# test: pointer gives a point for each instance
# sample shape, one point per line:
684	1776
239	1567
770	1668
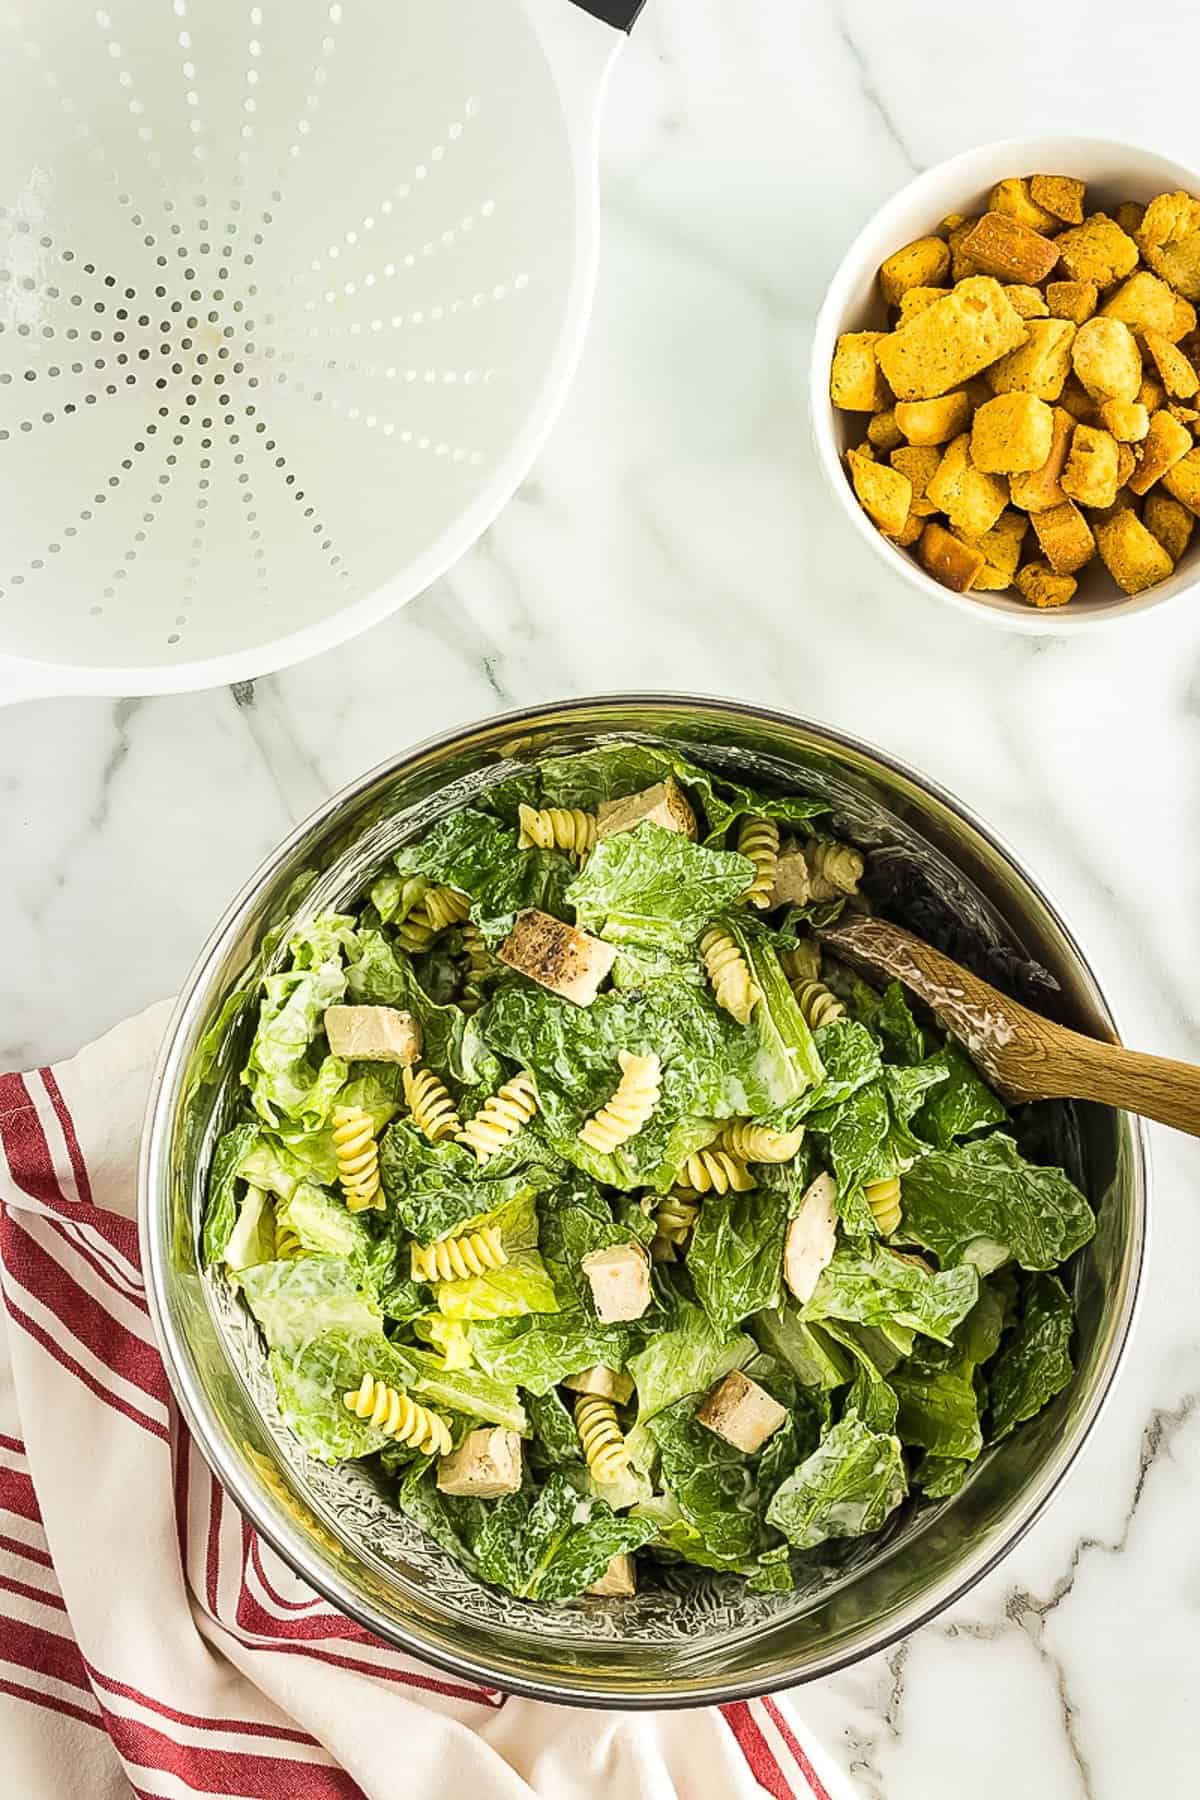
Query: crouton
560	957
1166	443
1014	198
620	1282
1065	537
884	494
1090	475
1182	481
909	532
855	381
1176	373
1001	550
1011	433
1042	587
811	1237
606	1383
1142	301
741	1412
1126	464
1132	555
1171	523
1098	250
961	266
1060	195
923	263
1169	239
971	499
486	1464
664	804
1040	487
1106	359
1030	302
917	299
919	464
1001	245
1040	365
948	559
1126	419
619	1580
1073	300
373	1034
1129	217
1187	415
1184	320
934	421
951	340
1078	402
883	433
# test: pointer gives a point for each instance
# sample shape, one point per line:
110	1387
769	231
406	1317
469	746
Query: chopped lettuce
852	1482
871	1285
656	889
982	1203
1035	1363
478	854
551	1543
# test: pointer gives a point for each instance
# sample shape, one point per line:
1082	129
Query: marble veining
675	533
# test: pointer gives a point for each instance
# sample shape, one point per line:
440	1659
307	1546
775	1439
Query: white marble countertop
675	533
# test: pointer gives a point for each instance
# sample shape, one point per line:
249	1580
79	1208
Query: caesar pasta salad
574	1187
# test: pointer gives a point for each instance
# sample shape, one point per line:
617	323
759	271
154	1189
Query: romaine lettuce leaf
962	1104
555	1440
221	1210
469	1391
478	854
655	888
938	1477
710	1481
939	1410
309	1297
870	1285
687	1359
1035	1362
983	1204
434	1189
285	1082
521	1286
536	1352
735	1253
451	1520
550	1543
381	974
808	1350
849	1485
252	1240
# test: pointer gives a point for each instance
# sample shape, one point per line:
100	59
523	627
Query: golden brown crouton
1042	587
1090	476
1098	250
1028	301
1132	555
1175	372
1107	360
856	384
1001	245
1040	488
1183	481
955	564
883	431
1074	300
1060	195
1038	366
961	265
951	340
923	263
1001	550
1184	320
1126	419
1065	537
917	299
1130	216
1078	402
1169	240
909	532
1171	523
1013	197
1187	415
884	494
920	465
933	421
1126	464
1166	443
1152	393
1011	433
971	499
1142	301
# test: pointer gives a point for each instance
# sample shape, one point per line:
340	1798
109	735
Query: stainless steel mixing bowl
694	1640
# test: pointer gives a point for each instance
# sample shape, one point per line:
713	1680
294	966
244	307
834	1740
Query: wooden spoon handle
1155	1086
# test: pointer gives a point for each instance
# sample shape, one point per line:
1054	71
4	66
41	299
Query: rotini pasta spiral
674	1217
479	968
713	1171
557	828
819	1004
801	964
432	1109
357	1155
415	933
444	906
839	865
453	1259
603	1442
758	839
633	1100
758	1143
391	1411
732	983
287	1241
501	1116
883	1198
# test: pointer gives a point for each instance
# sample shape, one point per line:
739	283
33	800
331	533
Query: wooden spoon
1026	1056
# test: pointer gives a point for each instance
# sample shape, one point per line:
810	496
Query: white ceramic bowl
1113	172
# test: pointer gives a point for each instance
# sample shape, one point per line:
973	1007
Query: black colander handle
621	13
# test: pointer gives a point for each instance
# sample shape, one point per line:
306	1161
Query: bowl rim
154	1237
1033	621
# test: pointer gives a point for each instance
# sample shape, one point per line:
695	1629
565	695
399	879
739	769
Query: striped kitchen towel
149	1639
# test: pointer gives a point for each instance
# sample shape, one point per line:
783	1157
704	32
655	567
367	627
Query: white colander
289	296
